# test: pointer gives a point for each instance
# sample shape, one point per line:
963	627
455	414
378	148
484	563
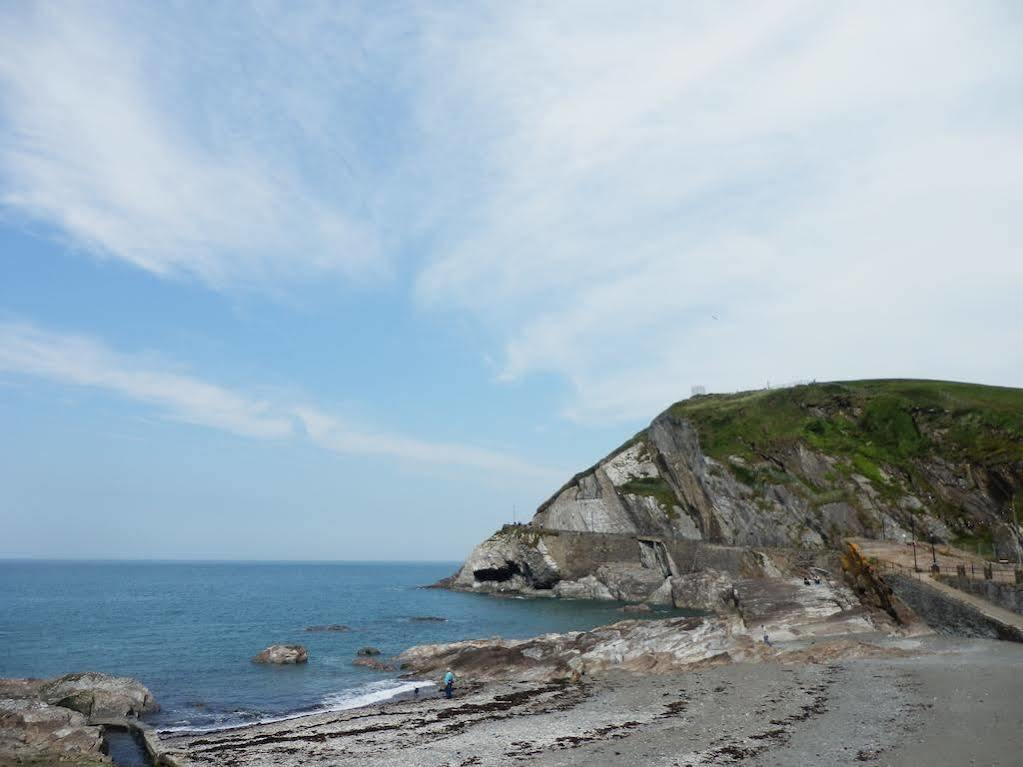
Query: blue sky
353	281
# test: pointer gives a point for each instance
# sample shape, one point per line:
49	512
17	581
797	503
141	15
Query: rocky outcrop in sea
283	654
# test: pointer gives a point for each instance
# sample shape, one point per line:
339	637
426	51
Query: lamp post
1015	534
916	569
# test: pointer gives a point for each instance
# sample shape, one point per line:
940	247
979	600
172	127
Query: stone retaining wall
580	554
1006	595
946	615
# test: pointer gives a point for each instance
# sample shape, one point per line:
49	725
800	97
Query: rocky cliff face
715	480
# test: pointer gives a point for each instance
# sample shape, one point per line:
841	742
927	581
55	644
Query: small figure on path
449	684
767	639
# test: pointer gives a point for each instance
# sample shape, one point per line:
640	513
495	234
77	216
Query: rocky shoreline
63	721
753	682
842	701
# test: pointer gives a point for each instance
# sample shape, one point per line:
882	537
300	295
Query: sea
188	630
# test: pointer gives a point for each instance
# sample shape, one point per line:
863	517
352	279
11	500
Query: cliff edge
769	483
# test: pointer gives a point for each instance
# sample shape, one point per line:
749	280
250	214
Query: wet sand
937	702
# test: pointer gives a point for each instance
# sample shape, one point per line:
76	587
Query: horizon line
172	560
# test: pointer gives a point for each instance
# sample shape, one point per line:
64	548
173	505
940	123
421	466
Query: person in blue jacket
449	684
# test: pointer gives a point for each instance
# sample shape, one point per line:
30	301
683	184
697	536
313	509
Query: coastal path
892	558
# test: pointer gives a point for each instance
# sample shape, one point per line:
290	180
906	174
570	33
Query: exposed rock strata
790	469
783	608
649	646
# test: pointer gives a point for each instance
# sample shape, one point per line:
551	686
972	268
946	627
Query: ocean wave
374	692
345	700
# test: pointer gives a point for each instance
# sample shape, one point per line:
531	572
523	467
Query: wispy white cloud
26	350
83	361
107	137
594	184
328	432
835	183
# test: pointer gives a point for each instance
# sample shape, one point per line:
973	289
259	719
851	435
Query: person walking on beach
449	684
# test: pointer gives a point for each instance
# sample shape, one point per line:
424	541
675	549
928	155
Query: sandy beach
927	701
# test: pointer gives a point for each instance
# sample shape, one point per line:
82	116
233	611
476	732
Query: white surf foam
366	695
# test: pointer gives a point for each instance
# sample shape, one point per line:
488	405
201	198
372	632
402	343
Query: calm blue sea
189	630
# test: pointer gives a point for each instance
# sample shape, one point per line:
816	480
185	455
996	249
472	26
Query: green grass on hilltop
871	423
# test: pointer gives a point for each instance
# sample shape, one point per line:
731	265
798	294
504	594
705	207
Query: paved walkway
948	557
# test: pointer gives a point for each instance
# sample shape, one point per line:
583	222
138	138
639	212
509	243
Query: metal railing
988	571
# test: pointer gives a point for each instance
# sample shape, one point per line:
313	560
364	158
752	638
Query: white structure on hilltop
698	390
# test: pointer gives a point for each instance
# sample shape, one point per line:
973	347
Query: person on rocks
449	684
767	639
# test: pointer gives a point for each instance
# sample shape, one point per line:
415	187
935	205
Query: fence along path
983	606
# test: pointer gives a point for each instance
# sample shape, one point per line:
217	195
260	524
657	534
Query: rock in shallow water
282	654
635	609
336	627
584	588
373	663
367	651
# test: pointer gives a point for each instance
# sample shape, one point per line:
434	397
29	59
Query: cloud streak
838	184
828	181
76	360
101	140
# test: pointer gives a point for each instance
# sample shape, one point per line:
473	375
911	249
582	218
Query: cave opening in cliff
503	573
